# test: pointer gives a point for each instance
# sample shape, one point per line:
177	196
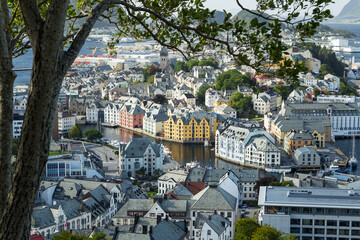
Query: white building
248	146
261	151
337	99
211	96
344	118
306	156
95	112
296	95
168	181
311	213
141	153
71	166
68	215
216	227
266	102
65	122
307	79
17	125
112	113
153	122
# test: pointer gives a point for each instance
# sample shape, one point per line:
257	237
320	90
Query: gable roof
214	198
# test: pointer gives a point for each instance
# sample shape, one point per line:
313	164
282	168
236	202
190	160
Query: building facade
311	213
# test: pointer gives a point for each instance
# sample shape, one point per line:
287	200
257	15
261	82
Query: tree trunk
7	78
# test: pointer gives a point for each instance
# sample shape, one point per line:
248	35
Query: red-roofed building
36	237
260	78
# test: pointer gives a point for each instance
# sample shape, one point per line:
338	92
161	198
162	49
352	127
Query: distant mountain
341	32
219	17
349	14
247	17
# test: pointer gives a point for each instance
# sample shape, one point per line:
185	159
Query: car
244	205
111	158
243	211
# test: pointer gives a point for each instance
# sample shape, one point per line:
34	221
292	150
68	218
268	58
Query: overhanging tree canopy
56	30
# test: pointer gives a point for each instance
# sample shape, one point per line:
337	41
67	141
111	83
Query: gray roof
139	205
42	218
174	205
168	230
132	236
91	184
262	143
218	223
196	175
214	175
309	197
304	150
214	198
299	135
310	123
72	208
181	190
137	146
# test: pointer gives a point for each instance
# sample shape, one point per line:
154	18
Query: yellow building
222	101
297	139
188	129
196	127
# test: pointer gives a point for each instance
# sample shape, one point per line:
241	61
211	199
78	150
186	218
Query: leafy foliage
242	104
283	90
245	228
187	66
200	95
229	80
160	99
75	132
92	134
265	181
346	89
249	229
327	57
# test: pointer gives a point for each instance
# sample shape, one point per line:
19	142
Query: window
331	231
331	222
294	230
307	230
295	221
355	224
319	222
344	223
307	222
319	231
209	232
343	231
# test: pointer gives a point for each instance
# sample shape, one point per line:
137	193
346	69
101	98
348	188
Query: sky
231	6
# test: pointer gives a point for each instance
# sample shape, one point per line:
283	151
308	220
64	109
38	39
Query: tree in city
283	90
141	171
200	95
249	229
265	181
92	134
231	79
242	104
56	31
245	228
181	65
75	132
160	99
316	92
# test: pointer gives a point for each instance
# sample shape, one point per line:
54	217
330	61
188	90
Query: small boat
192	164
353	162
336	168
167	151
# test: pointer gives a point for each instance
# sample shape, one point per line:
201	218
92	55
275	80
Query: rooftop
309	197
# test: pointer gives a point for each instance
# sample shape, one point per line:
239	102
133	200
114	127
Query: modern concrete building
311	213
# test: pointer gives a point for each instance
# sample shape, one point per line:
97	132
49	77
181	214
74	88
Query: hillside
341	32
349	14
247	17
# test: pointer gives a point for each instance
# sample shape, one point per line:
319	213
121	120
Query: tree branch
32	18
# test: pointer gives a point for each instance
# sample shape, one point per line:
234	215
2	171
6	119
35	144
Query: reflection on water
182	153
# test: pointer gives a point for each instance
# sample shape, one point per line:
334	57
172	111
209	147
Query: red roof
36	237
194	187
260	76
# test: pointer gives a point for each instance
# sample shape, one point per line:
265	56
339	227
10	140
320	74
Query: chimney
145	229
158	219
210	217
167	217
151	230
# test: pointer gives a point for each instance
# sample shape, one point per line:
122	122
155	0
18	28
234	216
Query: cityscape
199	131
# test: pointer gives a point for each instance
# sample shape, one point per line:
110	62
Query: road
109	158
